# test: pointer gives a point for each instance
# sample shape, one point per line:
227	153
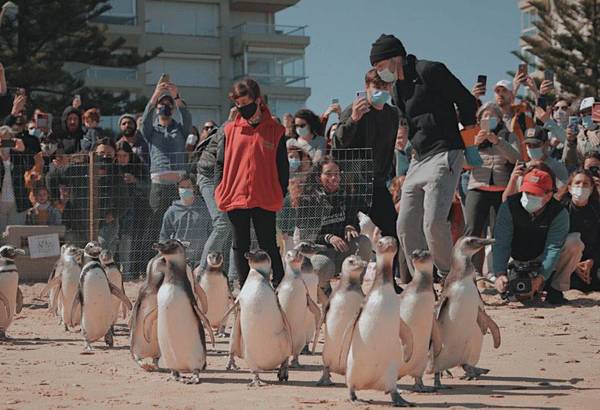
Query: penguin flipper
121	295
51	283
407	339
236	342
204	321
19	306
148	323
314	309
442	306
436	338
485	322
6	303
57	294
323	318
322	297
347	339
77	301
286	326
228	312
201	295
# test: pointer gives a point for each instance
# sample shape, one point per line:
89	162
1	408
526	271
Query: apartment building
207	45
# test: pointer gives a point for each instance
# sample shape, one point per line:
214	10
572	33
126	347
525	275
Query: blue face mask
493	122
186	193
535	153
402	163
379	97
303	131
531	203
587	122
294	164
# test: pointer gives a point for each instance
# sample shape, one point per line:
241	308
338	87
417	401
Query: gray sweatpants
425	203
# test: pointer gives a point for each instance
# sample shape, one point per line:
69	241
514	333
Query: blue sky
470	36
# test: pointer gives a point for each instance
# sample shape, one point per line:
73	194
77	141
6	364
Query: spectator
5	99
330	136
308	128
425	93
588	138
288	123
253	141
130	134
336	108
372	123
187	219
402	150
499	150
583	204
42	212
92	131
166	141
72	128
64	205
532	225
207	128
591	163
537	147
12	198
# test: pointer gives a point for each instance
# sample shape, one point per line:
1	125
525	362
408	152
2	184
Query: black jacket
426	97
205	154
70	141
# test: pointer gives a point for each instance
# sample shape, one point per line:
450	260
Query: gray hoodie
188	223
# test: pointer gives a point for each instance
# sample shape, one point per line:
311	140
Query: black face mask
248	110
129	131
165	111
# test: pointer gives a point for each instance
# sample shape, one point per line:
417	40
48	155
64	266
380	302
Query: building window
191	19
528	17
123	12
281	105
107	73
192	72
532	60
202	114
271	69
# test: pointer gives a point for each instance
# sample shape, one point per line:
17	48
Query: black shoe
555	297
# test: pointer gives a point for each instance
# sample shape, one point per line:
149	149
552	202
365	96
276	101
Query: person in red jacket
251	174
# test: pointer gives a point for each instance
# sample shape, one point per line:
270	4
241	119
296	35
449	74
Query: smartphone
542	103
484	124
520	163
21	91
482	79
361	94
523	69
596	113
335	100
549	75
9	143
164	78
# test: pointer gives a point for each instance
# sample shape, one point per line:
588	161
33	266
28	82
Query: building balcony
276	80
268	35
271	6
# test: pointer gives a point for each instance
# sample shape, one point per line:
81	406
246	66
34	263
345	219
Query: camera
520	275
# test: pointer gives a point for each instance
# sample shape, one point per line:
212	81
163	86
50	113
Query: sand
549	359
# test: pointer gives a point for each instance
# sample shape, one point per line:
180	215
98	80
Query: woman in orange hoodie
252	173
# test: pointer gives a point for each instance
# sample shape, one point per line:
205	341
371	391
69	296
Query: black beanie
386	46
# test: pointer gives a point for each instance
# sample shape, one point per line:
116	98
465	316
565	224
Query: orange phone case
468	136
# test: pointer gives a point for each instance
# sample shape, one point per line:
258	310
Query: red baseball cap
537	182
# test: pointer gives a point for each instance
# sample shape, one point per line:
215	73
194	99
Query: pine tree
568	42
44	35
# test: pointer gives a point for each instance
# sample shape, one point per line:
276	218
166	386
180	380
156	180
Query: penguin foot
437	383
352	394
195	379
419	387
66	327
88	349
231	364
306	350
256	381
398	401
175	376
473	373
3	335
108	338
325	379
450	375
295	364
221	332
147	366
282	373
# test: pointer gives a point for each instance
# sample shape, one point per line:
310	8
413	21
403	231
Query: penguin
368	228
72	262
417	303
144	344
296	303
214	283
311	280
95	300
11	298
380	341
53	291
180	323
261	334
460	315
174	250
116	278
340	312
321	265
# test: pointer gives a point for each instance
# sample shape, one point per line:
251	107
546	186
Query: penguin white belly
217	292
343	308
375	354
264	336
140	347
9	281
312	284
178	331
416	309
114	276
292	298
69	287
456	323
96	317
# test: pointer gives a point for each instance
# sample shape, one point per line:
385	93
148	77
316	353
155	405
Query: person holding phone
371	122
588	137
13	195
425	93
309	128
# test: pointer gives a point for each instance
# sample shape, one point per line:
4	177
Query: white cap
504	83
586	103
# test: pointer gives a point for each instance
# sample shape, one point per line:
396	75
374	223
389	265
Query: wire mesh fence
115	201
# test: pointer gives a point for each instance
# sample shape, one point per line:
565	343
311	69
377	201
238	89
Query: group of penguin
371	334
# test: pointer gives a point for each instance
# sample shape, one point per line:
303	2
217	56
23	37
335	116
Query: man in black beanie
425	93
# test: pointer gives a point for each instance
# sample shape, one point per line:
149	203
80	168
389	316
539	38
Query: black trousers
160	199
264	226
383	213
477	215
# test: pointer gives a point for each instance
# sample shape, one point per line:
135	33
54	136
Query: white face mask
580	193
387	75
531	203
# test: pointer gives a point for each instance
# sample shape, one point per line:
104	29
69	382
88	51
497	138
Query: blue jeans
221	236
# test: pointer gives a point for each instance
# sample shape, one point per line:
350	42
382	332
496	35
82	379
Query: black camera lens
595	171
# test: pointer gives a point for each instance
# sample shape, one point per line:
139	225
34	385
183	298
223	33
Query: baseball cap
537	182
535	135
503	83
586	103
